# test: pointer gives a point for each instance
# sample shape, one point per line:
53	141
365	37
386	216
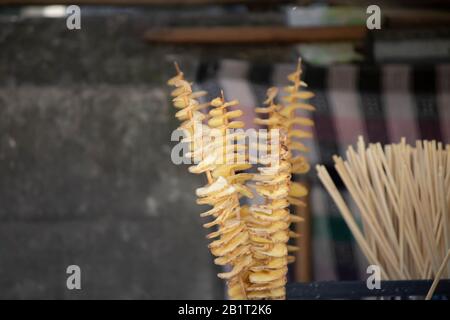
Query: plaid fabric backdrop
382	103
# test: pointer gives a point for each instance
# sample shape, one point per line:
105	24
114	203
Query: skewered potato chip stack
284	116
219	158
269	223
252	242
232	246
269	226
295	125
184	99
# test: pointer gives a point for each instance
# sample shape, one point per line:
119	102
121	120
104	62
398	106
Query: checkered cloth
382	103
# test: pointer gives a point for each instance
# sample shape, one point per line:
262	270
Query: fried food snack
252	242
219	157
269	223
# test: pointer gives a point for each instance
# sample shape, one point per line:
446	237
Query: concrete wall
85	170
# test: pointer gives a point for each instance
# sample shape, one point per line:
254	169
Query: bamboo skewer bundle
403	196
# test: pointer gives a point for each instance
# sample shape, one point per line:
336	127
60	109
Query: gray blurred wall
85	170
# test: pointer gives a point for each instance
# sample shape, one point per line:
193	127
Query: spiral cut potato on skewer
185	100
232	246
251	241
294	124
269	223
219	158
268	226
284	116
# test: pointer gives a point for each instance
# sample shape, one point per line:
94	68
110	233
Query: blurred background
85	124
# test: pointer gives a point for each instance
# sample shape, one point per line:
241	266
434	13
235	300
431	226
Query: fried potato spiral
269	224
251	242
219	157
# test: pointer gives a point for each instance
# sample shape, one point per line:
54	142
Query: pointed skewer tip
177	67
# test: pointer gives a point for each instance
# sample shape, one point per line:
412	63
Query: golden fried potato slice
217	197
228	226
291	107
273	179
278	250
271	193
178	77
275	263
242	263
281	282
260	209
296	202
239	178
232	256
276	215
266	109
267	276
232	245
226	169
219	103
302	134
224	216
220	184
227	237
303	121
297	190
219	206
279	204
181	102
236	291
271	121
272	228
280	236
294	235
298	159
295	219
283	167
298	146
219	118
259	239
271	94
207	164
296	96
300	168
276	293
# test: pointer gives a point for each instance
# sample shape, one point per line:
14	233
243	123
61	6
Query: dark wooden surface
260	34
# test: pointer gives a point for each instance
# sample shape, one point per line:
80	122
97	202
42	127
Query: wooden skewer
403	196
332	189
369	215
438	276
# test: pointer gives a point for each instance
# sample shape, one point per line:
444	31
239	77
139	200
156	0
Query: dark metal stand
358	289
